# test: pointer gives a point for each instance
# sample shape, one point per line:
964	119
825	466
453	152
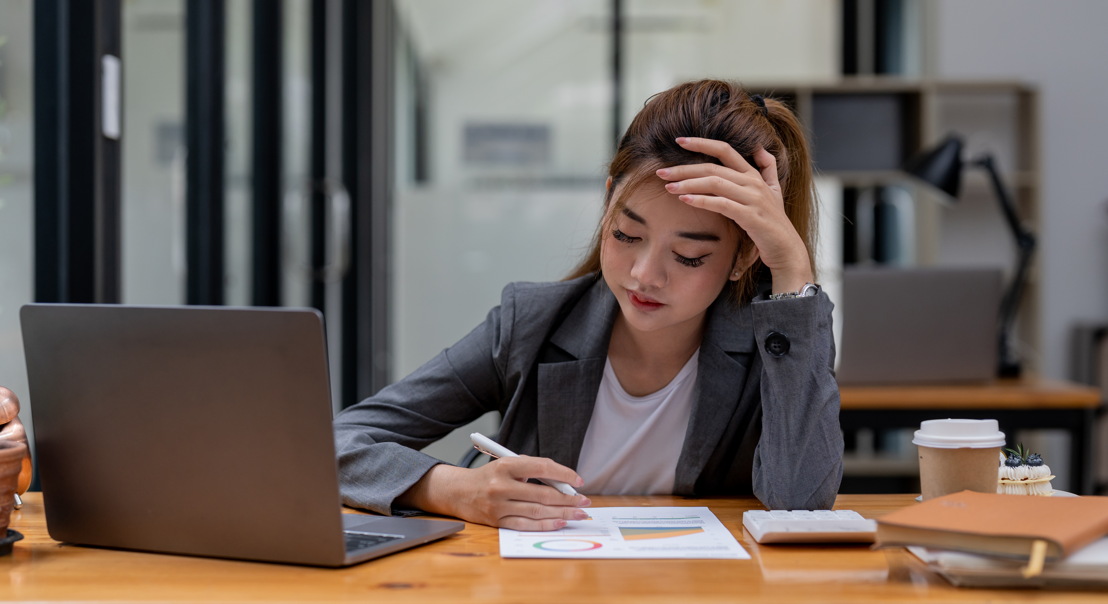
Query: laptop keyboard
357	541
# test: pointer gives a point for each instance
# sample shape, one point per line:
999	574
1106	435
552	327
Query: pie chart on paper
567	545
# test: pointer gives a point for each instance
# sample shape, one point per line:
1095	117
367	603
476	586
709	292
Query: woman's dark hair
721	111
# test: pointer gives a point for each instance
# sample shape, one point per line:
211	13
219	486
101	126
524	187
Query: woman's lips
642	302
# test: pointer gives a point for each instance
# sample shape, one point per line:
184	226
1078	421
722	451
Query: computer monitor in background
919	325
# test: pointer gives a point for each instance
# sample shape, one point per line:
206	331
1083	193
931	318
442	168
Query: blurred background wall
1056	47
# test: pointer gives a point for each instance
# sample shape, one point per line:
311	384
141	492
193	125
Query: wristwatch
809	289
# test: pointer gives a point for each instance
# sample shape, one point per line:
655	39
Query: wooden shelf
1025	393
971	179
928	111
880	465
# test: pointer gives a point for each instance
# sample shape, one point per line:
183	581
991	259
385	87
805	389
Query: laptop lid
919	325
198	430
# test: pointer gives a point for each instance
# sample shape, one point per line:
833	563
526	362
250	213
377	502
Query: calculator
809	526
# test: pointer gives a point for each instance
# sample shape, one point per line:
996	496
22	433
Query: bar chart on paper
629	533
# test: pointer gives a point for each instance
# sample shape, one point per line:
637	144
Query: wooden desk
1022	404
467	568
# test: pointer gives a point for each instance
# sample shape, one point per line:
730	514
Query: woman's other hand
752	198
498	494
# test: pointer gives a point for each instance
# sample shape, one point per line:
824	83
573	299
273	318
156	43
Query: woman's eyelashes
624	237
690	262
693	262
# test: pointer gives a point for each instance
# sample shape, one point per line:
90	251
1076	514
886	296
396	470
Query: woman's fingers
537	511
686	171
717	149
767	165
720	205
530	516
715	185
714	179
516	471
543	494
524	468
518	523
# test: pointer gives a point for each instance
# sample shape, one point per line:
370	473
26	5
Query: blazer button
777	344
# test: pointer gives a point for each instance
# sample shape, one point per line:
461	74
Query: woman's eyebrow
633	216
699	236
695	236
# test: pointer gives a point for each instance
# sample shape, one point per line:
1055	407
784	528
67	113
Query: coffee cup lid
959	434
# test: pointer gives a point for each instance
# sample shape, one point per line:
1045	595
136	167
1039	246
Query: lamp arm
1025	244
1024	238
1009	306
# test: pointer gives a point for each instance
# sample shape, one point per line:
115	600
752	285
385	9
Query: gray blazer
764	422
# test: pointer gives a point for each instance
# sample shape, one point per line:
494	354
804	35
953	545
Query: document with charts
642	532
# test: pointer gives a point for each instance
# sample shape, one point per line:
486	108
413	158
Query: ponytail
798	186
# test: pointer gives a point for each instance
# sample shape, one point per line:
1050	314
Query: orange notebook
998	525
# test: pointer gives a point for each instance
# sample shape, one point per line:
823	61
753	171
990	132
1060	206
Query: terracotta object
11	429
12	454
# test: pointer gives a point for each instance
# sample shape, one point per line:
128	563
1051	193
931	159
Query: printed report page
641	532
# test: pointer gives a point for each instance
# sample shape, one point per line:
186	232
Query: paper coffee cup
957	455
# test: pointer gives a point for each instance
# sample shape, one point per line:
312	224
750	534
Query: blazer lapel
570	378
720	380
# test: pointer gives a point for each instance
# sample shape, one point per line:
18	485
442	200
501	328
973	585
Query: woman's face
666	261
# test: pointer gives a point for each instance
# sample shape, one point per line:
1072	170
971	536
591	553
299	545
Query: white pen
486	445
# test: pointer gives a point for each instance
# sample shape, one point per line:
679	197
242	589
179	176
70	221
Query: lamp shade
940	166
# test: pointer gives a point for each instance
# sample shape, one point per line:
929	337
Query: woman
690	352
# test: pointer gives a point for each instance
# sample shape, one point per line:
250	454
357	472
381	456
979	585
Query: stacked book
989	540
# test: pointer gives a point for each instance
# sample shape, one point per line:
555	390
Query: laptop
203	431
921	325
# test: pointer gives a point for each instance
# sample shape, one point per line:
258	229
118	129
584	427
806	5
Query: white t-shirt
633	442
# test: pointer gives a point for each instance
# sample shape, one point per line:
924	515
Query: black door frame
367	170
267	146
77	165
204	135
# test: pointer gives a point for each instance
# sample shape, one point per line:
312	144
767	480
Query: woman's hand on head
751	196
498	494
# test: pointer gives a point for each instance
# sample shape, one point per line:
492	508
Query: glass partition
16	194
296	130
238	121
153	203
503	130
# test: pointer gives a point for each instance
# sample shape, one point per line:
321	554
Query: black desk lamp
941	167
